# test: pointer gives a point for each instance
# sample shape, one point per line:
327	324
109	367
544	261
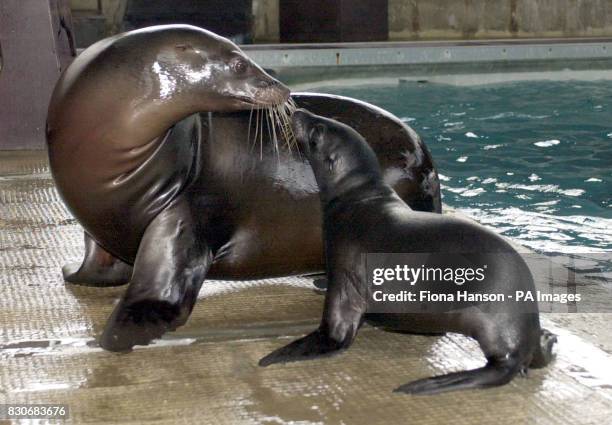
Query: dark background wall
96	19
323	21
232	19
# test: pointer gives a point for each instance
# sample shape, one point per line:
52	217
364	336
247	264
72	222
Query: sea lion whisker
278	120
285	109
271	133
273	126
249	126
268	126
273	120
291	107
290	139
291	103
278	131
256	131
282	124
287	127
261	137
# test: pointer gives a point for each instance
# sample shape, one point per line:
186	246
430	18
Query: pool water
532	159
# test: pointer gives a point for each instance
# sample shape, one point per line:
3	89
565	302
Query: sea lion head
210	70
340	157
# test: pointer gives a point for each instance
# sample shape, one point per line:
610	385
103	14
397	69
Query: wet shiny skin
279	208
268	205
362	214
111	110
176	192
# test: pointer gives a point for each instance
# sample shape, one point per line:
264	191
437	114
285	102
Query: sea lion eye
240	66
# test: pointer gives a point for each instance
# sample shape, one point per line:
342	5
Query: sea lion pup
361	214
165	144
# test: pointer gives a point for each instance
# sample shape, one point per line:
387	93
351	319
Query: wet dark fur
362	214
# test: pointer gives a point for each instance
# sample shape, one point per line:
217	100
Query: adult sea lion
169	195
362	214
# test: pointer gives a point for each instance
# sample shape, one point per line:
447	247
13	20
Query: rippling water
532	159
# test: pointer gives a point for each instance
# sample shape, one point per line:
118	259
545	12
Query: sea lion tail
495	373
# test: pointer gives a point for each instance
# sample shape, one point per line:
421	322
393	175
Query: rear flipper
495	373
99	268
544	352
499	370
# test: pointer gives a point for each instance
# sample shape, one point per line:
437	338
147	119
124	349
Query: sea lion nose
300	114
283	90
271	89
300	117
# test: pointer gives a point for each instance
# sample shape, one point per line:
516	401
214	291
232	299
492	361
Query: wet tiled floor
207	373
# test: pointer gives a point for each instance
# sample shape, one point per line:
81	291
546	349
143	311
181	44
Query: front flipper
169	270
99	268
311	346
342	317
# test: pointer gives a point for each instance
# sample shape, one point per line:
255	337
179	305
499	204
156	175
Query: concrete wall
468	19
443	19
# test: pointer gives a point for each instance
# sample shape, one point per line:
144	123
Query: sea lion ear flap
316	136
